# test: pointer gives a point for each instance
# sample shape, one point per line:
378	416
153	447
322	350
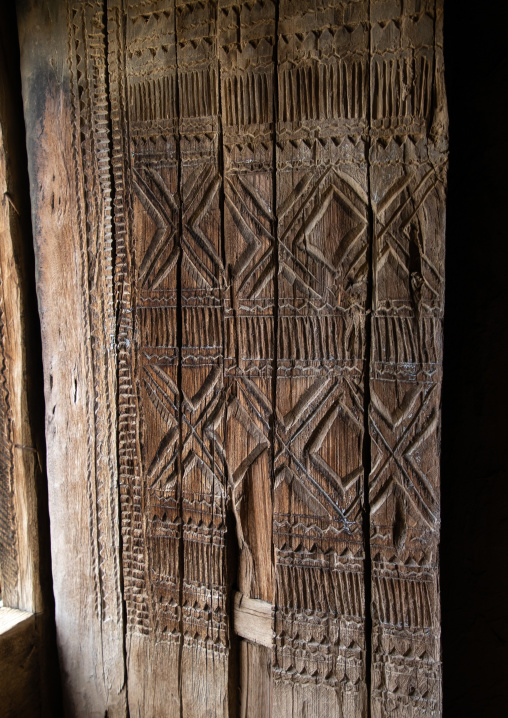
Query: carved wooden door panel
239	223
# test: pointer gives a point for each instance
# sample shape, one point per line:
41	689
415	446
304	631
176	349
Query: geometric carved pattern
399	462
278	179
406	357
301	434
322	243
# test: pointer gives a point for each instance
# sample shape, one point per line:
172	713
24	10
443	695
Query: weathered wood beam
407	181
323	243
25	567
70	189
246	42
253	619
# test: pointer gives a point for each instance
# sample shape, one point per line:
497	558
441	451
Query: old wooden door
239	220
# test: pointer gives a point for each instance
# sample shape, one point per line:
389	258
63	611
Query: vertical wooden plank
204	670
246	34
63	63
144	111
21	424
323	237
25	559
407	185
170	269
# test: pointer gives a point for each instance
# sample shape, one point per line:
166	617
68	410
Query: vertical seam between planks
229	562
367	448
179	334
438	5
275	117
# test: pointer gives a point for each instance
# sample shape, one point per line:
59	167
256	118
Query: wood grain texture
246	34
407	173
253	256
204	597
25	569
322	214
71	214
143	84
21	466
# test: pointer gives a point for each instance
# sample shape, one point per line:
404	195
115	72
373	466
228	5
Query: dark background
474	565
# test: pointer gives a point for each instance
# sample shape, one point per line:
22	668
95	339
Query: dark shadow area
474	576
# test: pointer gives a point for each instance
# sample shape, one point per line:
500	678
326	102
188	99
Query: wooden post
28	670
63	68
323	261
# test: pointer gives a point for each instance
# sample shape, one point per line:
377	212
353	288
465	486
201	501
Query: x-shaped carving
397	448
316	410
258	406
163	394
402	217
197	204
255	234
200	417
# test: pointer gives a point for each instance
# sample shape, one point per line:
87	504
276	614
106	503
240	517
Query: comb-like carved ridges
91	127
407	178
249	199
205	622
322	211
